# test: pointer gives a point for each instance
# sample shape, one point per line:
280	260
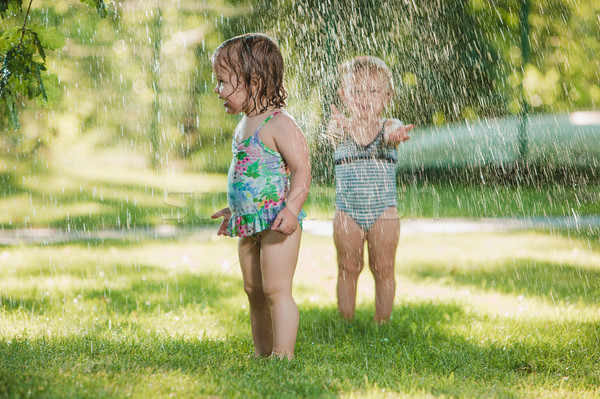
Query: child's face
365	93
228	89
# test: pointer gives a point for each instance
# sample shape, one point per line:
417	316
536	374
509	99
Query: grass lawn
115	190
84	185
477	315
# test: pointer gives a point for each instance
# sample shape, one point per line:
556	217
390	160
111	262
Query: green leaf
39	88
10	38
50	38
104	7
38	45
52	87
12	112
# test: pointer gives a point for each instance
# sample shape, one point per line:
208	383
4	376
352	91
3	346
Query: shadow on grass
169	294
590	235
9	186
417	352
145	289
120	209
549	281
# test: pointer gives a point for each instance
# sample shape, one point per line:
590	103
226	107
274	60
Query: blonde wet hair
255	55
367	63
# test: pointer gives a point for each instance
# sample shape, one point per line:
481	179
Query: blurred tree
154	83
444	66
23	47
561	73
452	60
23	53
206	129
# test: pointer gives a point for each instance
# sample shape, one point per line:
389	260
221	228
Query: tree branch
24	25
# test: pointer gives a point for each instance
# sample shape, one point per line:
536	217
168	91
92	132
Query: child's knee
253	292
382	272
276	293
351	269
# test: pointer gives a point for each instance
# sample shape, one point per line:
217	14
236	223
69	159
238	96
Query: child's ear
254	82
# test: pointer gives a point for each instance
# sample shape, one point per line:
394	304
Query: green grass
478	200
87	192
477	315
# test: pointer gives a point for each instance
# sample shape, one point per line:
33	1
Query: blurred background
108	119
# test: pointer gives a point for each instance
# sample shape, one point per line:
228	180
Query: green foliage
440	58
8	7
22	76
561	71
452	60
443	65
105	8
23	48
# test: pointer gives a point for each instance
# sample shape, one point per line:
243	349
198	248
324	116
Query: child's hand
337	124
396	133
224	213
285	222
339	118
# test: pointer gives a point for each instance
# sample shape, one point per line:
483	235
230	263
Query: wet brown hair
255	56
367	63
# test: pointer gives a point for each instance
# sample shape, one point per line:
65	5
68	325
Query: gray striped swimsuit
365	179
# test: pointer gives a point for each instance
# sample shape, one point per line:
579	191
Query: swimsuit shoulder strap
266	120
377	140
382	131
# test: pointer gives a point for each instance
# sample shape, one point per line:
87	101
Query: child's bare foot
277	355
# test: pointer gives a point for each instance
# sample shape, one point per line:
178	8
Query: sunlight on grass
491	314
143	284
16	209
530	274
96	197
89	164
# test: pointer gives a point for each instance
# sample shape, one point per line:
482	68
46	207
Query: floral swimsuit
257	186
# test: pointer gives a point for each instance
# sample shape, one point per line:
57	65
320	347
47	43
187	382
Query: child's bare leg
349	241
382	241
279	255
260	315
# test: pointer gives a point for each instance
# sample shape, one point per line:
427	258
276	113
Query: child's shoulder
281	123
392	123
282	133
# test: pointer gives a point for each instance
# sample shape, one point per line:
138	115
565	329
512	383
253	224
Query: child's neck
369	121
257	113
364	130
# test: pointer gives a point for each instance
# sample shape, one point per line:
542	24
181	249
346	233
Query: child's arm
291	144
224	213
395	132
336	126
